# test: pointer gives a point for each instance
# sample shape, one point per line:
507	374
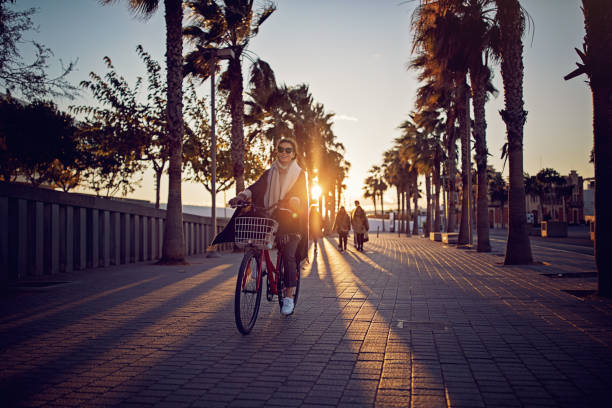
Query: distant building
564	203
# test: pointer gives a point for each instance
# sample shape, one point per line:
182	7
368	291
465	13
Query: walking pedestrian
316	223
359	220
342	226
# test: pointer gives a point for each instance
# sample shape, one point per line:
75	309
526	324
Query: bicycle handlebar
242	204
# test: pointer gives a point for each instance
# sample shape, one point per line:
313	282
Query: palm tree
369	191
480	36
393	176
416	149
596	56
173	250
438	37
221	24
511	20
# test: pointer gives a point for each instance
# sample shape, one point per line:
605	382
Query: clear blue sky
353	55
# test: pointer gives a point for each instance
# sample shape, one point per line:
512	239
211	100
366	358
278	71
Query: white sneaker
287	308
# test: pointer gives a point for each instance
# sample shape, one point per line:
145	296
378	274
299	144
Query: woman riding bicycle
282	187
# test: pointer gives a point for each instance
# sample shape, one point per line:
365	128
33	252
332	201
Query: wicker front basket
255	231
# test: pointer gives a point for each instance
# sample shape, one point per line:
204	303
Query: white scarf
275	191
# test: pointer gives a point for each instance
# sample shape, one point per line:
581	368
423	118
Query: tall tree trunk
464	128
445	203
173	250
518	248
602	135
405	196
598	39
374	201
436	201
415	200
451	146
399	206
478	78
407	217
382	210
237	112
428	207
158	176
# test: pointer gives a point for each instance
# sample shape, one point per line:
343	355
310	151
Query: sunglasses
285	149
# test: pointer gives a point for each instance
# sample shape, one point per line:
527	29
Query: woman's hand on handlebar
237	201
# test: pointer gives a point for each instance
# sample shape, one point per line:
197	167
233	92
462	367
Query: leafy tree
141	126
39	140
112	162
28	79
596	60
173	250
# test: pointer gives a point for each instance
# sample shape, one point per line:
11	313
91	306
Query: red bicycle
258	235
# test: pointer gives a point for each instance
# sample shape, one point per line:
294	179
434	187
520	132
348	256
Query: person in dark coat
316	224
342	226
359	220
283	185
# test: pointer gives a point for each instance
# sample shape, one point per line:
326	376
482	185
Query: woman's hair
289	140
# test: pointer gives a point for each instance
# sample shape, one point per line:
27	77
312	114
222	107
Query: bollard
377	231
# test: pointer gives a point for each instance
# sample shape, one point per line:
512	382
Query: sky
353	54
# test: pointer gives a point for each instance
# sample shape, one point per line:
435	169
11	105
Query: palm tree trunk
480	126
415	214
602	136
597	18
399	216
518	248
374	201
436	182
462	109
237	112
407	218
173	249
451	169
382	210
428	207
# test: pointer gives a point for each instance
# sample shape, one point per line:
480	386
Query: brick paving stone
409	323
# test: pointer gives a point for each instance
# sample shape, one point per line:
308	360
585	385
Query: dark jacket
342	223
288	224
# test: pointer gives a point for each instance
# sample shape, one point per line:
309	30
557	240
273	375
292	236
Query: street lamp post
223	53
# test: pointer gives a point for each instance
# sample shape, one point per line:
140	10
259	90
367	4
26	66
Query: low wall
43	232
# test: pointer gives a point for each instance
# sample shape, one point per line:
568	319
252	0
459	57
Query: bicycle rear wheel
248	292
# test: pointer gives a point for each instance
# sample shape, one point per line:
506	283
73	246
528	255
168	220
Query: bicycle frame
271	268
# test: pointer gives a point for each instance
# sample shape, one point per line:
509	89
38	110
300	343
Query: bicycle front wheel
248	292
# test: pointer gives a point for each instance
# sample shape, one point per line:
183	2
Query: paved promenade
409	323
